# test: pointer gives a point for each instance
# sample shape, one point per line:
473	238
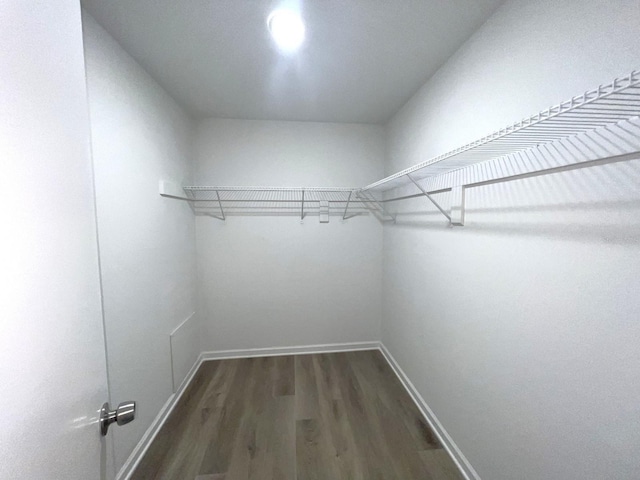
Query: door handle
125	413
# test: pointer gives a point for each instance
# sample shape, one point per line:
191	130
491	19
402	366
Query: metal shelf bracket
426	194
346	208
220	205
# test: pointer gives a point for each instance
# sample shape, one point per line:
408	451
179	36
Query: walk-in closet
320	239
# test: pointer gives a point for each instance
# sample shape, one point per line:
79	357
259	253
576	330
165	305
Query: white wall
147	243
52	365
267	282
520	329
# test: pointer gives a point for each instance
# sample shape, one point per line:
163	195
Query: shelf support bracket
457	206
302	207
426	194
344	216
224	218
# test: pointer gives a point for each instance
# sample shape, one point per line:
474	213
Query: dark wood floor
331	416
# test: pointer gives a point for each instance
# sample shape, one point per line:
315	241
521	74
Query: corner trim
151	433
445	439
297	350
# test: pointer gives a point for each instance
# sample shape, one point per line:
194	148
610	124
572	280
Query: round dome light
287	29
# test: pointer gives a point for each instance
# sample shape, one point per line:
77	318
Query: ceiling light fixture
287	29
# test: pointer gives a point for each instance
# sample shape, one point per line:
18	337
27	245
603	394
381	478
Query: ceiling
361	60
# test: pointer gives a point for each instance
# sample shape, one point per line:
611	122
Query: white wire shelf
602	107
221	201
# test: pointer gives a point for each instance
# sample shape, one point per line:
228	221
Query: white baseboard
447	442
148	437
300	350
445	439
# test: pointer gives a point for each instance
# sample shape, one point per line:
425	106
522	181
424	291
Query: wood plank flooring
307	417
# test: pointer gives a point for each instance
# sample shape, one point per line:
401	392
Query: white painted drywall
147	242
52	365
521	329
270	282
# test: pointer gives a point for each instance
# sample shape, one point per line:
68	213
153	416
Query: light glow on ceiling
287	29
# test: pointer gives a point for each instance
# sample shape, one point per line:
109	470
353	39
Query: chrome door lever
125	413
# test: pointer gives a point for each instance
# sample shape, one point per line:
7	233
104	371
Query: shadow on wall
598	203
615	235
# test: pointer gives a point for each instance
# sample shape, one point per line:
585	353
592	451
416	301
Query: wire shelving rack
221	201
601	108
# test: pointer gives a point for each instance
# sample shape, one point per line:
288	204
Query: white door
52	355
